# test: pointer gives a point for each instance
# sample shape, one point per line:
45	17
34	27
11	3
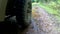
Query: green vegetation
51	6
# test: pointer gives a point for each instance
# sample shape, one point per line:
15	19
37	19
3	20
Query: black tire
22	11
27	14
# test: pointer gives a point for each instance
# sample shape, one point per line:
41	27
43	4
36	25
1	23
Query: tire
27	14
22	13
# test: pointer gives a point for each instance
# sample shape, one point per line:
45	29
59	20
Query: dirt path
42	22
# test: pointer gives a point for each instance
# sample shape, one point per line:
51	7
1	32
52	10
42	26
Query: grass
49	10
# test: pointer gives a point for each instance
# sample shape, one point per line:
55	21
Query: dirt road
42	22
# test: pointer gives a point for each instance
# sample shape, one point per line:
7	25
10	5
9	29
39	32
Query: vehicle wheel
27	14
